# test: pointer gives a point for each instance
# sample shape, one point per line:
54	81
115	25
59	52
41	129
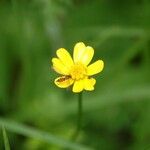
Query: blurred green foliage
6	141
116	114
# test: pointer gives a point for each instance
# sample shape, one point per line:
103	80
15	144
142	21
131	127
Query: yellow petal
87	55
59	67
65	57
64	81
78	86
82	53
95	68
78	51
89	84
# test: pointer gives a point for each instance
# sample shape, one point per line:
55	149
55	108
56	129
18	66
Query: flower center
78	71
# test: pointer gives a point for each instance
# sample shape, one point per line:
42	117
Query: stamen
78	71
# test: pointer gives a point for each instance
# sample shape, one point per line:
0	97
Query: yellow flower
76	71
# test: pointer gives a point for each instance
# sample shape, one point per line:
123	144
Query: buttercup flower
76	71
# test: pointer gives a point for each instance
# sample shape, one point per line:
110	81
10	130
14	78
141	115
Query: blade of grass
6	141
40	135
112	31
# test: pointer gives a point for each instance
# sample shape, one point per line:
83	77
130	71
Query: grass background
39	116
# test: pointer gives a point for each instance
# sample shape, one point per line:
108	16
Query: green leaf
41	135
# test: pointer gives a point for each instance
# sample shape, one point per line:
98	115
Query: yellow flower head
76	71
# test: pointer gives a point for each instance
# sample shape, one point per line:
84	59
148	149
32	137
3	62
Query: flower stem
79	123
79	118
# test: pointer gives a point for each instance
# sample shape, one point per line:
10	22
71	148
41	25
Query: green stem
79	118
79	112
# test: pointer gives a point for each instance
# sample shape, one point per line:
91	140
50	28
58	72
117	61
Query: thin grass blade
6	141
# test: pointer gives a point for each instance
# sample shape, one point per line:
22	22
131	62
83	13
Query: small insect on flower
76	71
63	79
